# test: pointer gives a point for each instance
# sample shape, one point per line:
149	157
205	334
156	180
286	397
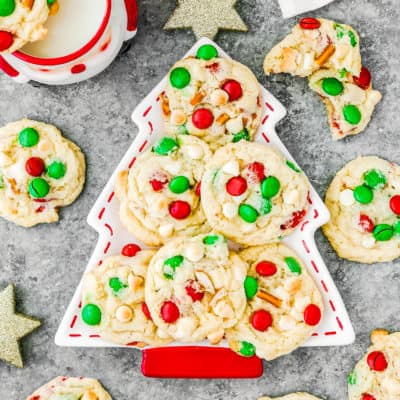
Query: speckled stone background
46	262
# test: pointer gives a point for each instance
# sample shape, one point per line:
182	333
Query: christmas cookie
284	305
292	396
216	99
65	388
194	288
252	194
350	100
160	195
314	44
21	21
113	300
364	202
40	171
376	376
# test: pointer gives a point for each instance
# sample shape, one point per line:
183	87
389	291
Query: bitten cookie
376	376
64	388
314	44
194	288
216	99
292	396
21	21
40	171
113	300
160	195
284	305
364	202
350	101
252	195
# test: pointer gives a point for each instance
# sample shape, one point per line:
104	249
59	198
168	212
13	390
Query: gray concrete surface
46	262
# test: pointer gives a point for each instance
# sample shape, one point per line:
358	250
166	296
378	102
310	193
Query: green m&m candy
250	287
383	232
242	135
7	7
396	228
38	188
363	194
374	178
332	86
179	77
56	170
248	213
352	114
28	137
91	314
171	264
210	240
352	378
353	38
207	52
293	265
247	349
270	187
266	206
165	146
292	166
51	2
116	284
179	184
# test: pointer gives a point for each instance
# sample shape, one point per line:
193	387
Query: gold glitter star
206	17
13	327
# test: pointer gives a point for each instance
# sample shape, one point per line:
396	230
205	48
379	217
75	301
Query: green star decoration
206	17
13	327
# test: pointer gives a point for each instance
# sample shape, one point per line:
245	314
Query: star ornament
206	17
13	327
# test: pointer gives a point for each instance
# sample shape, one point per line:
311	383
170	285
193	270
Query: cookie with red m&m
252	194
113	301
194	288
314	44
216	99
292	396
160	194
284	305
364	202
40	171
350	100
376	375
66	388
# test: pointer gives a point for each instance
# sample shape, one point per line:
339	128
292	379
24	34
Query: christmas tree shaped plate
201	360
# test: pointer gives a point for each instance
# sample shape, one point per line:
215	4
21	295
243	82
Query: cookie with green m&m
284	305
252	194
364	202
376	375
160	195
214	98
113	302
194	288
40	171
350	100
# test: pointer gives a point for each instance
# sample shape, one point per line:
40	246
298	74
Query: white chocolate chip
291	196
166	230
219	97
231	167
45	146
178	117
135	282
216	337
173	167
234	125
286	323
124	313
230	210
346	197
368	242
89	395
195	152
194	252
308	61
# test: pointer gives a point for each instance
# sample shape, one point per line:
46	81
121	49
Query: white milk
76	22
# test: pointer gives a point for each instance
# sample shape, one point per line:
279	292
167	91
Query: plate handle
132	14
11	71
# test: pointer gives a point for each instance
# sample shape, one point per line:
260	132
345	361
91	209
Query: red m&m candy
261	320
266	268
364	80
366	223
197	190
377	361
310	23
312	315
34	166
194	291
236	186
255	172
157	185
130	250
234	89
6	40
395	204
367	396
202	118
297	217
146	312
169	312
179	209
